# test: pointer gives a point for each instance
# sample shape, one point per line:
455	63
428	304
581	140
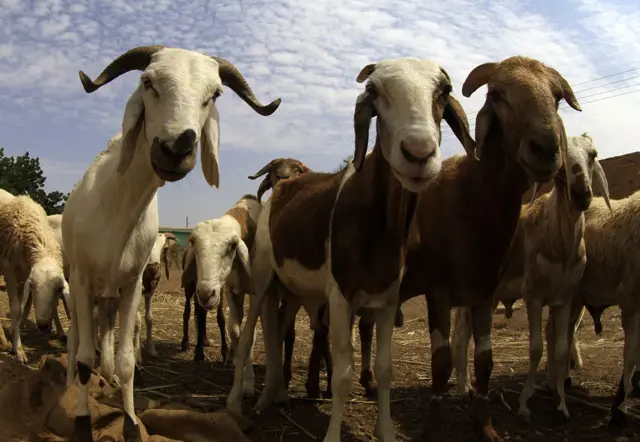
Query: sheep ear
210	144
456	118
265	185
132	123
243	255
484	120
533	195
567	92
478	77
361	121
600	182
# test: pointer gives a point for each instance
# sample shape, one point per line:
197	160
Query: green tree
22	175
345	162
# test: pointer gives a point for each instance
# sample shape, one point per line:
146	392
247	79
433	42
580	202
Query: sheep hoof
21	357
327	394
313	391
561	417
198	355
568	384
82	429
206	342
131	430
524	414
618	419
248	389
62	337
184	346
224	351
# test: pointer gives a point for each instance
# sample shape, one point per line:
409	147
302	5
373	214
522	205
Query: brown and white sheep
343	236
31	260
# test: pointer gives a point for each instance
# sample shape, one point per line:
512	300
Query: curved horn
265	185
231	77
134	59
266	168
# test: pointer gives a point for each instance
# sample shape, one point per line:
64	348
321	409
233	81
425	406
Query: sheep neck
565	225
129	194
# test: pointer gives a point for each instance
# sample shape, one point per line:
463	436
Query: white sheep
611	278
221	259
110	220
31	261
343	236
150	279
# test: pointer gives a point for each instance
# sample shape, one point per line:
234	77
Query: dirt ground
175	373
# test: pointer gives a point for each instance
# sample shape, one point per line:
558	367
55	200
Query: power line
446	135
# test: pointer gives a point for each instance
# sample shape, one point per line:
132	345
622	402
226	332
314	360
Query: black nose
581	199
185	142
545	150
44	327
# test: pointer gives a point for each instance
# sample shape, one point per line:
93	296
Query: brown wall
622	175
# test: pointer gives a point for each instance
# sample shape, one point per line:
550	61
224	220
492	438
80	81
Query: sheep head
584	172
277	170
522	107
165	250
174	107
409	97
216	245
45	284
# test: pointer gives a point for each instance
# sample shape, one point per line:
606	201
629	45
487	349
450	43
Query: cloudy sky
308	53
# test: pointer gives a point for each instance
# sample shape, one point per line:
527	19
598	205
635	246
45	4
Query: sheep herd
396	223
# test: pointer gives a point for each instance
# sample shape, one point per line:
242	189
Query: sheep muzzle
172	162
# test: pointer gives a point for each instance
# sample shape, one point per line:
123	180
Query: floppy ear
484	120
600	182
567	92
243	255
361	121
132	124
210	144
478	77
456	118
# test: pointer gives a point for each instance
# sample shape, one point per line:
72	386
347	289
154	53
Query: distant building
180	232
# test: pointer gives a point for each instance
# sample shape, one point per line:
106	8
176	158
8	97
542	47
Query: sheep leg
125	363
576	358
319	351
439	322
3	338
561	319
65	303
534	317
365	328
148	319
108	308
189	290
236	311
550	337
384	320
274	390
482	321
73	341
245	343
136	339
286	318
460	347
26	311
59	329
224	348
82	330
201	330
342	352
631	326
16	306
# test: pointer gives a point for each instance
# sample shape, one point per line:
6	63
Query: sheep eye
146	83
371	89
231	248
446	90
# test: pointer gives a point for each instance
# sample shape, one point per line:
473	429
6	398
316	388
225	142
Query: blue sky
308	53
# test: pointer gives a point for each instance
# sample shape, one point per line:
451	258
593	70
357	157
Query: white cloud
309	53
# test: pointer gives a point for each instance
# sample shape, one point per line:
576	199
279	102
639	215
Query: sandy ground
174	373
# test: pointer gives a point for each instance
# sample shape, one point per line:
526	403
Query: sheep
519	140
544	266
110	219
4	198
150	279
610	278
343	236
31	260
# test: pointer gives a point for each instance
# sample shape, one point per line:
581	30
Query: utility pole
187	222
